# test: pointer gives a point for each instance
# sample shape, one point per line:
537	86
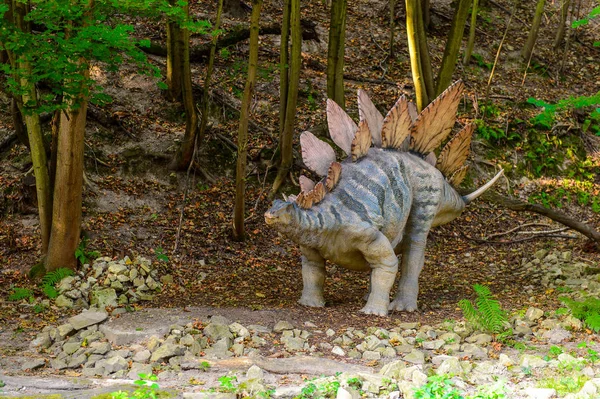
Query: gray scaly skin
384	204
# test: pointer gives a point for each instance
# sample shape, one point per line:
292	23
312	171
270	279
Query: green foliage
324	389
565	384
547	117
227	383
160	254
82	254
481	62
50	280
587	311
438	387
487	313
496	390
20	293
147	388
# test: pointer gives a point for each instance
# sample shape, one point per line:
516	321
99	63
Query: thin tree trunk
562	25
533	33
174	59
284	67
335	53
68	188
240	178
412	22
186	150
471	42
392	26
292	93
424	55
209	71
452	46
426	12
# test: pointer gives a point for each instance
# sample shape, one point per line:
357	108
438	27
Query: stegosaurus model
381	200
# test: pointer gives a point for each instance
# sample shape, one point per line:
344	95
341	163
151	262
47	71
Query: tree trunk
68	189
335	52
533	33
471	42
562	25
29	99
174	59
452	46
284	67
392	26
426	12
209	71
186	150
240	178
412	27
292	97
424	55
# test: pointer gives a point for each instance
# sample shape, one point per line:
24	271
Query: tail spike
471	197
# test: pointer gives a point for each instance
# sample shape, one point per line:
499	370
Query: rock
293	343
142	356
343	394
522	328
166	351
255	373
86	319
474	351
433	345
137	369
65	330
117	268
541	254
451	338
371	355
533	314
393	369
42	341
33	364
187	340
338	351
450	366
112	365
63	302
415	357
238	349
239	330
387	352
572	323
372	342
532	361
540	393
58	364
100	348
282	326
330	332
408	326
102	298
220	349
504	360
77	361
71	347
479	339
217	331
557	335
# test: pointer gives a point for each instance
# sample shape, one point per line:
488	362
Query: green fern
50	280
19	294
487	313
587	311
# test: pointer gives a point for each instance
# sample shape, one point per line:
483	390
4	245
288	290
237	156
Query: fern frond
20	294
469	312
50	291
55	276
492	315
593	322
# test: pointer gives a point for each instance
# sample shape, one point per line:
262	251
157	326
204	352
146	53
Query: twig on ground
484	241
516	228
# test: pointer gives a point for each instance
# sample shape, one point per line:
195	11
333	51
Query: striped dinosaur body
377	203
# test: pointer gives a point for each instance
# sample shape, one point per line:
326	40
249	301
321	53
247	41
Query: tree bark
412	26
240	178
183	157
392	26
209	71
68	188
562	25
284	66
335	52
424	55
533	33
174	59
452	46
472	28
293	78
426	13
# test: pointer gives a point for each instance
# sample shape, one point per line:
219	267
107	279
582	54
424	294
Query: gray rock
217	331
533	314
415	357
86	319
63	302
58	364
557	335
42	341
100	348
65	330
479	339
532	361
338	351
112	365
117	268
540	393
71	347
474	351
102	298
433	345
166	351
142	356
220	349
450	366
187	340
282	326
77	361
255	373
371	355
137	369
238	349
371	343
393	369
387	352
33	364
239	330
408	326
293	343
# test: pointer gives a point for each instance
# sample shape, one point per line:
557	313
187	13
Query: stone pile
109	283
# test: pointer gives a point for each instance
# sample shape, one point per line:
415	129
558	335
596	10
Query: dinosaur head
280	215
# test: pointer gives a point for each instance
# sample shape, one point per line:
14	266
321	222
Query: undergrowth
587	311
487	313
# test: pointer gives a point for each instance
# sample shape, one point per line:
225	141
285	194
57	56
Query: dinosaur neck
450	207
308	227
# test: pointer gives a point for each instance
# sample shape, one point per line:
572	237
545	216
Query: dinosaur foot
312	301
404	304
376	310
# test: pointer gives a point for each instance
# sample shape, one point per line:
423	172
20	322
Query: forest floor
133	204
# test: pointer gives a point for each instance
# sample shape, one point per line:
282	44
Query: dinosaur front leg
413	257
380	255
313	278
